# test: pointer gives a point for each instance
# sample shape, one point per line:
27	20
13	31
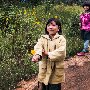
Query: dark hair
86	3
57	21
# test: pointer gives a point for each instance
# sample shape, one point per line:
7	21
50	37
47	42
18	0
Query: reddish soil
77	75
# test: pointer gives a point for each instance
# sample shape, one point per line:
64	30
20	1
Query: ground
77	75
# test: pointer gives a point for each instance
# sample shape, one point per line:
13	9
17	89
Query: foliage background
21	24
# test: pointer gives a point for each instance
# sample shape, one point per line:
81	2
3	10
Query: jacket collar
55	37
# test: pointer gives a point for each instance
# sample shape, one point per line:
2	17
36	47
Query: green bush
20	27
11	72
73	36
18	34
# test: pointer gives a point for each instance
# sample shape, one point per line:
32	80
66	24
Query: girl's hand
35	58
44	53
80	24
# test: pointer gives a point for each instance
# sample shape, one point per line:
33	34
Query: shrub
17	37
11	72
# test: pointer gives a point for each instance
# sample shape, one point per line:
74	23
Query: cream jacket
51	69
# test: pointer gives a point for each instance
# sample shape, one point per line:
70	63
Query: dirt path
77	75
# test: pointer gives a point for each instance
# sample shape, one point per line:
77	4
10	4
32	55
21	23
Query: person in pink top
85	27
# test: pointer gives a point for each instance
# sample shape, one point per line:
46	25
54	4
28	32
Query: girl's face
52	28
86	8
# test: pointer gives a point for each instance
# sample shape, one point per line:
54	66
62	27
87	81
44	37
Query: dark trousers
85	35
50	86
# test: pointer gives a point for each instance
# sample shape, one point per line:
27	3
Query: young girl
85	28
50	53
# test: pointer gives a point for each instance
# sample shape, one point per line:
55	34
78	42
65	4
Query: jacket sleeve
59	53
38	47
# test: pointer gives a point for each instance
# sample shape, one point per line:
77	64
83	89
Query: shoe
87	51
81	54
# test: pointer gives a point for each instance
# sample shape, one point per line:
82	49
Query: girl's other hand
35	58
